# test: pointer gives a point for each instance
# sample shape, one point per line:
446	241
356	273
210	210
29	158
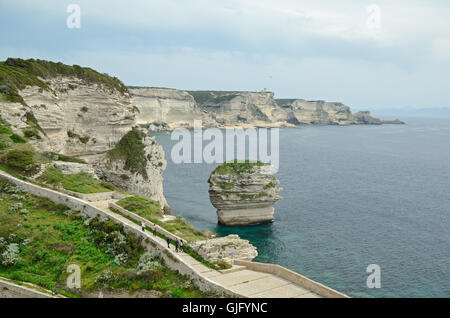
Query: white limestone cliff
86	120
244	193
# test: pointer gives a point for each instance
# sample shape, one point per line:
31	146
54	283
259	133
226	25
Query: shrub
257	113
120	259
84	139
5	130
31	132
148	262
58	156
124	177
22	161
32	121
226	185
11	255
71	134
105	278
15	207
131	149
107	185
17	139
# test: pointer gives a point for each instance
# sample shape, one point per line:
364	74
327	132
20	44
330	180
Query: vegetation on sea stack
237	167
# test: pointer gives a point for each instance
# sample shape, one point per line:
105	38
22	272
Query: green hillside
16	74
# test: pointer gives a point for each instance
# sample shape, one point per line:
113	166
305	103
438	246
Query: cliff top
217	97
237	167
16	74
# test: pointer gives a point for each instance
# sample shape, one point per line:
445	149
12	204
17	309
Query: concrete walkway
238	279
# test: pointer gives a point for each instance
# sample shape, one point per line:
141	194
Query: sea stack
244	192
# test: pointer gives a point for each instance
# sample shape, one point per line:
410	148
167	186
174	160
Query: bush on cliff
17	139
60	157
131	149
21	161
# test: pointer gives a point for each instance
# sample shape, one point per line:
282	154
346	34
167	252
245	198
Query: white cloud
441	48
287	21
359	84
400	64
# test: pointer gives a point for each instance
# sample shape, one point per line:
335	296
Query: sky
367	54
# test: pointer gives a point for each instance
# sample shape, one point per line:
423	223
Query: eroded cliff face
138	171
167	109
244	193
79	118
159	106
247	109
319	112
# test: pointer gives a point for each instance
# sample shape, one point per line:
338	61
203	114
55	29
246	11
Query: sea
353	196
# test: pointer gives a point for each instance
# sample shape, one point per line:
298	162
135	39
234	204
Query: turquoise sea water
353	196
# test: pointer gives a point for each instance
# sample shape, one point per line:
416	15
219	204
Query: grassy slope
151	211
58	239
215	97
81	182
18	158
16	74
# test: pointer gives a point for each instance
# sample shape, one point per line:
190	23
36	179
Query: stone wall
146	222
293	277
10	290
100	196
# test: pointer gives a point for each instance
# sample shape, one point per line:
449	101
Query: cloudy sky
367	54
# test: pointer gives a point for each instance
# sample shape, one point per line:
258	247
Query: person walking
168	243
143	227
154	229
177	244
181	246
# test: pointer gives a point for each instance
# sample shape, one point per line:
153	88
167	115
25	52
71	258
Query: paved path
238	279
